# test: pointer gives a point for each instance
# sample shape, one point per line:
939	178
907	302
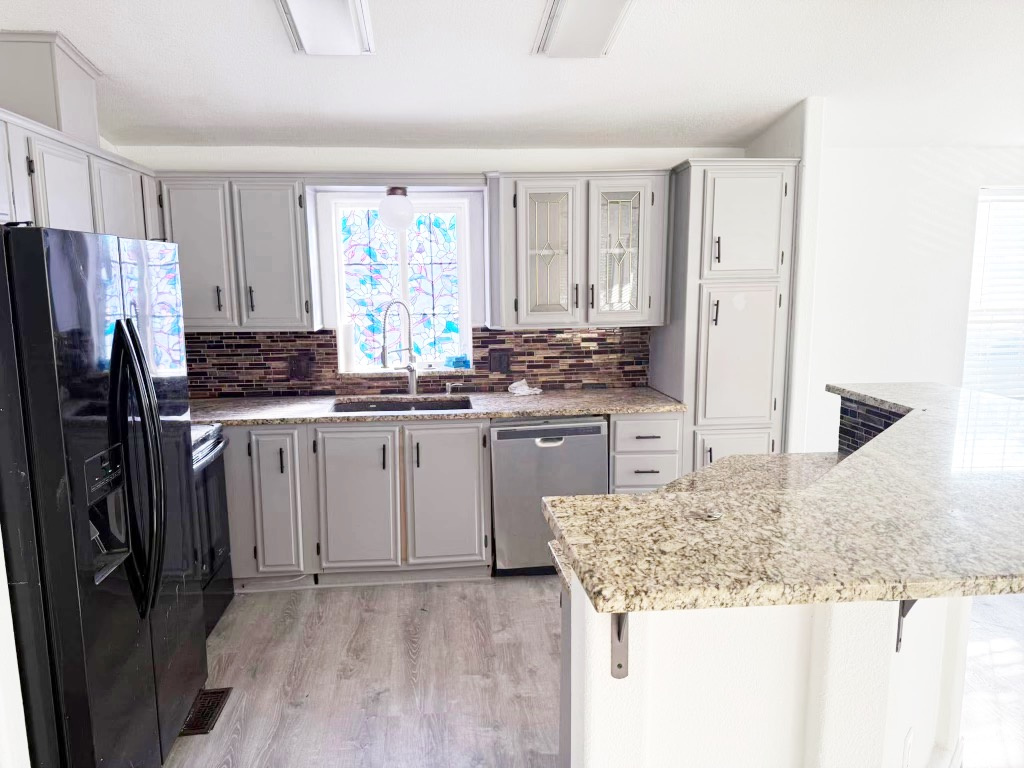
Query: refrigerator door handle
157	466
125	362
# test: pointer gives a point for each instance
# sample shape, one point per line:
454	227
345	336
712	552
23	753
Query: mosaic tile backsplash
859	422
261	364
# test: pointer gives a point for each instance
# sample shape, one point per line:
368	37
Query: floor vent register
205	711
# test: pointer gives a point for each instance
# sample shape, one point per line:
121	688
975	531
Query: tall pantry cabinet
724	348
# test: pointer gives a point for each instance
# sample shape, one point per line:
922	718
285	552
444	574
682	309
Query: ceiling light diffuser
580	29
328	27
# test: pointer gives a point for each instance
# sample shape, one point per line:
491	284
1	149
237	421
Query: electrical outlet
499	361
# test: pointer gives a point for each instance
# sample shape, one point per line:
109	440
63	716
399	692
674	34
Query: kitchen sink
394	406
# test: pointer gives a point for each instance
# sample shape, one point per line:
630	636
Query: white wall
798	133
439	160
892	269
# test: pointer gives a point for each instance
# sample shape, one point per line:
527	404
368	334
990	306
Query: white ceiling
458	73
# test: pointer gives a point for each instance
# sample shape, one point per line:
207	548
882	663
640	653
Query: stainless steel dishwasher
533	459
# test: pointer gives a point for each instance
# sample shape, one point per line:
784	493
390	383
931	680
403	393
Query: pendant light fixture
396	209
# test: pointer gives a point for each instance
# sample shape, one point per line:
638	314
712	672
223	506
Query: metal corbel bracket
620	645
905	606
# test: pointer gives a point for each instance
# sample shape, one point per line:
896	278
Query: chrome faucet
411	367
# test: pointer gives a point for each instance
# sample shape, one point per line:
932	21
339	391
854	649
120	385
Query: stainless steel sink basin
397	406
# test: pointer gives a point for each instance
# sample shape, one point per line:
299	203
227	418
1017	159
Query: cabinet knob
220	304
718	249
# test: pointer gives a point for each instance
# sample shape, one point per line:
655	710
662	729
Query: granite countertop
485	405
932	507
558	559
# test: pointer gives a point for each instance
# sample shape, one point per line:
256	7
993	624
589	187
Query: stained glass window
426	276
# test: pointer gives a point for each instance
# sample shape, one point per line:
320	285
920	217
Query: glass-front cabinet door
549	236
619	250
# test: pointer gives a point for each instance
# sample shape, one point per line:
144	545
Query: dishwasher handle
549	442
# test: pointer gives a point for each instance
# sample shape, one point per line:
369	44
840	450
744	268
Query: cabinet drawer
645	469
646	436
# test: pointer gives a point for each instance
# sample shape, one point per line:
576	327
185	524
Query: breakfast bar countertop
931	507
253	411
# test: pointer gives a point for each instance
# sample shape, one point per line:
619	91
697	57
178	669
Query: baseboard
372	579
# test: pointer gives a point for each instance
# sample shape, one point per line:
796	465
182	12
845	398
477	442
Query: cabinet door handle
417	455
576	295
591	295
252	299
280	452
711	456
646	471
647	437
384	456
718	249
220	304
714	313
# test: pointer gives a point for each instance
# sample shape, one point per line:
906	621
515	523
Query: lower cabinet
314	499
646	451
357	484
714	446
446	484
278	499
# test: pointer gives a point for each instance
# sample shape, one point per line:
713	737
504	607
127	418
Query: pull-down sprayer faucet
411	367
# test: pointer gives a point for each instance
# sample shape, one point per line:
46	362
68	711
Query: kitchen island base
818	685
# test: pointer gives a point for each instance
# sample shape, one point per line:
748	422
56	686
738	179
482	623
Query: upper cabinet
197	218
54	181
117	199
61	186
272	267
744	222
152	202
570	251
6	198
548	252
620	256
242	246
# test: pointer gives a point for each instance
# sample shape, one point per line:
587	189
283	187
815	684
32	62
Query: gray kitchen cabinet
447	491
117	199
358	497
6	196
724	348
646	451
153	214
712	446
619	264
744	221
61	185
277	479
549	249
197	217
738	345
575	250
21	179
273	270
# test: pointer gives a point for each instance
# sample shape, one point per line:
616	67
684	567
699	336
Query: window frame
979	263
457	202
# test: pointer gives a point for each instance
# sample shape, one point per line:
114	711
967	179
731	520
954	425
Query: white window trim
328	205
986	199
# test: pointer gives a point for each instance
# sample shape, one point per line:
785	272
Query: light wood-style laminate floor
424	675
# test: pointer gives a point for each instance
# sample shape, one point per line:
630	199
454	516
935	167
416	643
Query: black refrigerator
97	507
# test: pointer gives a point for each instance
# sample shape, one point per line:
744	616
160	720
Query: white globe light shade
396	209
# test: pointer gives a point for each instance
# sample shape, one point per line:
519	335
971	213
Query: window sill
438	371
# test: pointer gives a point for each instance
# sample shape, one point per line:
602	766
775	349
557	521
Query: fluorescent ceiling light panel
580	29
328	27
